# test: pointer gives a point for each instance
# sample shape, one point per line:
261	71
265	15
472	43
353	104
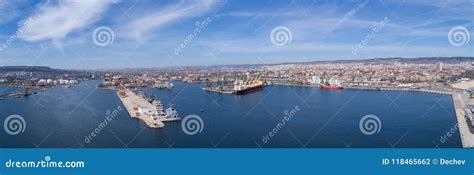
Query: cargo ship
331	84
251	85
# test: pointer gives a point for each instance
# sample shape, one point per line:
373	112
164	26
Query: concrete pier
440	92
226	91
461	100
133	103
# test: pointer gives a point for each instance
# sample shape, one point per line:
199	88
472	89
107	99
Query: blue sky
147	33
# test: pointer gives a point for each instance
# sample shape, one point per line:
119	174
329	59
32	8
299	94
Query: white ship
165	85
171	114
158	105
161	114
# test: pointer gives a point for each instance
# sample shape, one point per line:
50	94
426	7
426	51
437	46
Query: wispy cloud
141	26
56	21
8	10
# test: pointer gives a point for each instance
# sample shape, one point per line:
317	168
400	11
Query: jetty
464	117
219	90
432	91
139	108
15	94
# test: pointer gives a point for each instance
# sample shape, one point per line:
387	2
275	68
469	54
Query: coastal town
435	75
429	76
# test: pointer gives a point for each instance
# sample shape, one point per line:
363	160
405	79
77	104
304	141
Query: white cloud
55	21
141	26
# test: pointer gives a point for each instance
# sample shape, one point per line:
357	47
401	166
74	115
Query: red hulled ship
331	84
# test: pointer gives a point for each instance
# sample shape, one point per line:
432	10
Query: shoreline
373	88
402	89
368	88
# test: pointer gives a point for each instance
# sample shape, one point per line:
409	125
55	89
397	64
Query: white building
42	82
440	66
315	80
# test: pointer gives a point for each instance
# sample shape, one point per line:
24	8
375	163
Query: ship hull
253	89
330	87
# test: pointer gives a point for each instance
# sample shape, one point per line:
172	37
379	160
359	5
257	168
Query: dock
439	92
222	91
133	103
461	101
15	94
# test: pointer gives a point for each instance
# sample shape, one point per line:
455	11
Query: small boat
169	85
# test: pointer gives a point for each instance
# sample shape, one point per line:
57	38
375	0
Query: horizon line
261	64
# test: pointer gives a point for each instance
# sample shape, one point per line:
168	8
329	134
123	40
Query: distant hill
418	60
28	69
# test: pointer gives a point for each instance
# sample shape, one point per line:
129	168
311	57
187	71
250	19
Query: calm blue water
63	117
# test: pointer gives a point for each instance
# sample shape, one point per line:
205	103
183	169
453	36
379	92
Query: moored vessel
331	84
251	85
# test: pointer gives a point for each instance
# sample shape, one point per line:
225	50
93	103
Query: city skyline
146	34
